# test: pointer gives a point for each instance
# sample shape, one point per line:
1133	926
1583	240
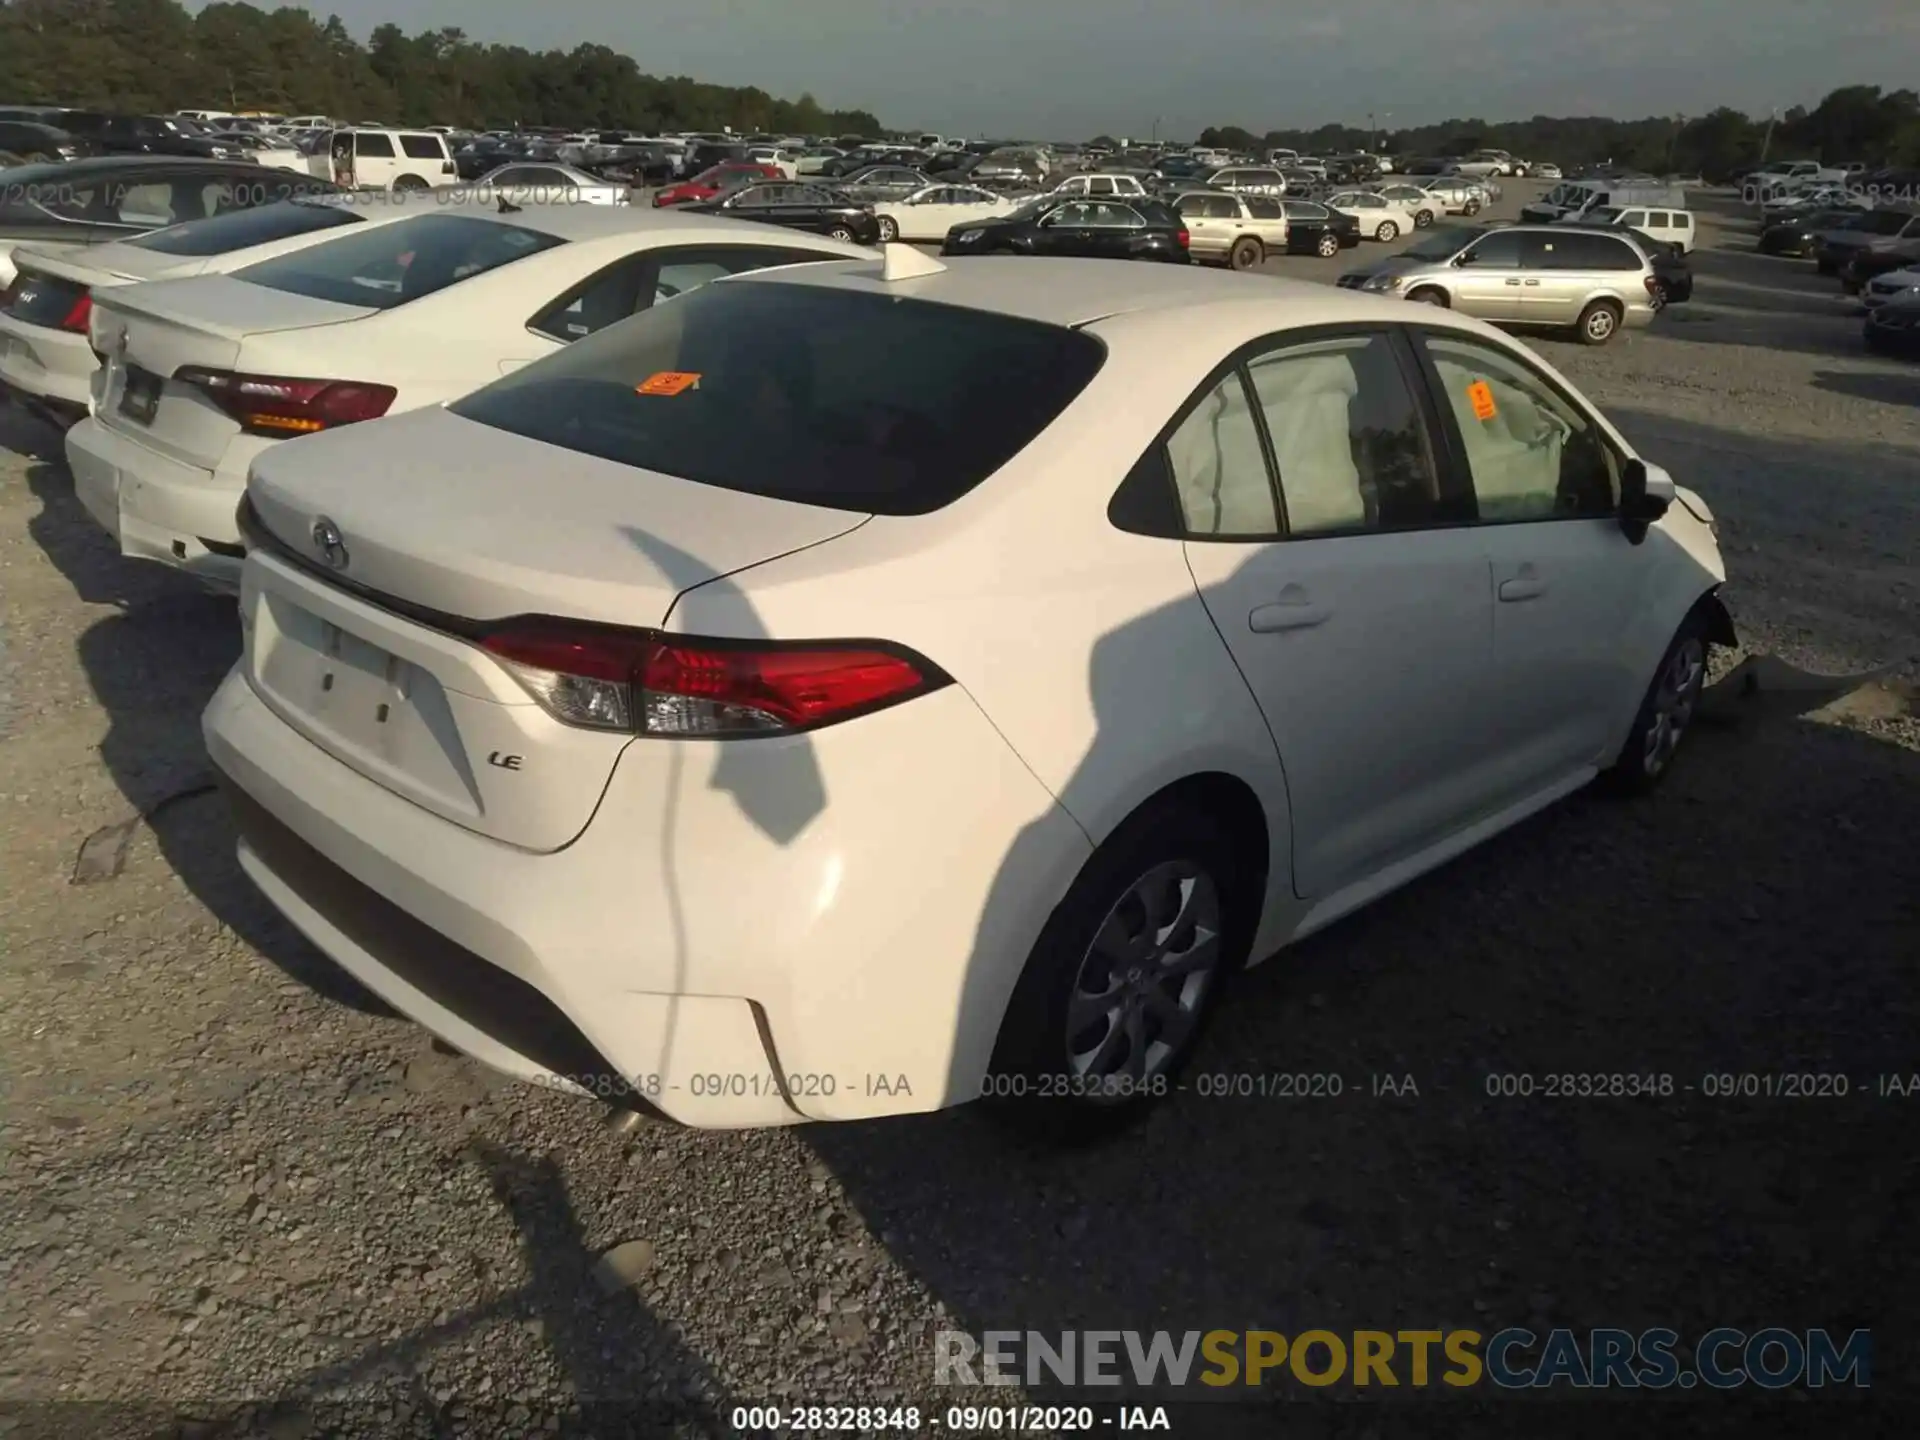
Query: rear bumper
156	507
46	370
746	935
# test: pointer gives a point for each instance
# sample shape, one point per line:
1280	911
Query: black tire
1595	330
889	230
412	184
1647	756
1432	295
1035	1050
1387	233
1422	219
1246	253
1472	207
1327	246
1659	294
842	234
1826	267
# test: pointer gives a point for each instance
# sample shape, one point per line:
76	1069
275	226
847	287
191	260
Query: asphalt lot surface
225	1175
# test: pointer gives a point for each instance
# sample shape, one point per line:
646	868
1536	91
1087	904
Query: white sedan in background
203	376
1003	681
929	213
1380	218
547	182
45	353
1416	200
265	148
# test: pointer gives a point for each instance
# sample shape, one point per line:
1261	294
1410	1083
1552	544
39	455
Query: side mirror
1646	492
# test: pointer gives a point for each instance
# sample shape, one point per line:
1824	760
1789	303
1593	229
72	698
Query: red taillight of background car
1652	282
280	406
1184	238
82	311
679	687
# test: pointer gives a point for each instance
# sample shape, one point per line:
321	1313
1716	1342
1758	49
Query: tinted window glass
1347	436
1881	222
855	402
239	229
1504	249
1532	455
377	146
421	147
1264	207
1219	472
1302	210
1587	252
392	264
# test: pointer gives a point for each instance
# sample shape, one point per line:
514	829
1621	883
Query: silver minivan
1594	281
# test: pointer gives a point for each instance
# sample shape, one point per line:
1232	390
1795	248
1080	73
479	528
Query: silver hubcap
1387	232
1329	245
888	230
1600	324
1673	702
1146	975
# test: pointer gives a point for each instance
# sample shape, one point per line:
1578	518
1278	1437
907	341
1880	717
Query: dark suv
163	135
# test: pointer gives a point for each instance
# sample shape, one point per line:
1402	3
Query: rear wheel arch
1229	802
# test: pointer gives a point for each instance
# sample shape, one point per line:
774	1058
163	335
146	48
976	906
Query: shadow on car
1366	1166
153	665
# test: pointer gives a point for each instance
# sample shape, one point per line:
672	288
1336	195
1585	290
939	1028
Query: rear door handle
1294	610
1526	587
1533	282
1513	282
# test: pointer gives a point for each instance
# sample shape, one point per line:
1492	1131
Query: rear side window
1589	252
422	147
389	265
820	396
373	146
240	229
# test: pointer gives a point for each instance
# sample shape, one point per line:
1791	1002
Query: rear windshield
389	265
240	229
820	396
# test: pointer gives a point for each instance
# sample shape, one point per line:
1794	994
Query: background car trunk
205	321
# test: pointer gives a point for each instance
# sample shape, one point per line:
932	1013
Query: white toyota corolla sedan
862	687
203	375
46	353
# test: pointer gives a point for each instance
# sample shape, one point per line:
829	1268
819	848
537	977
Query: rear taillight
1184	239
1652	282
673	686
275	405
82	311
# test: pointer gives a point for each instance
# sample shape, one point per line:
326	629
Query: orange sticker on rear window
1481	395
668	382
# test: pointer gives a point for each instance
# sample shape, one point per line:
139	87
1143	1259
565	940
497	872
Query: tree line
1855	122
152	56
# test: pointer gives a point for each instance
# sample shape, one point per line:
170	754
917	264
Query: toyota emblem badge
331	544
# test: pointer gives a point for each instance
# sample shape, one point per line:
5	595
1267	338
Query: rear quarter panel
1088	648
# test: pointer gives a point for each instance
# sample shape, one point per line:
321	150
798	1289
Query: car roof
616	223
1070	292
98	164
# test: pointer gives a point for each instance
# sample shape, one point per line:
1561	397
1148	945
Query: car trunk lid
152	332
376	576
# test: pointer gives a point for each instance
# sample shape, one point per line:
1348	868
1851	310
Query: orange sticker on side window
1481	395
667	382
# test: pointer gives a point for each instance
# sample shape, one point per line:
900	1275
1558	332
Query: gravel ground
228	1176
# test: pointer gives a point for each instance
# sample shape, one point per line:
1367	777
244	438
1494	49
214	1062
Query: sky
1071	69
